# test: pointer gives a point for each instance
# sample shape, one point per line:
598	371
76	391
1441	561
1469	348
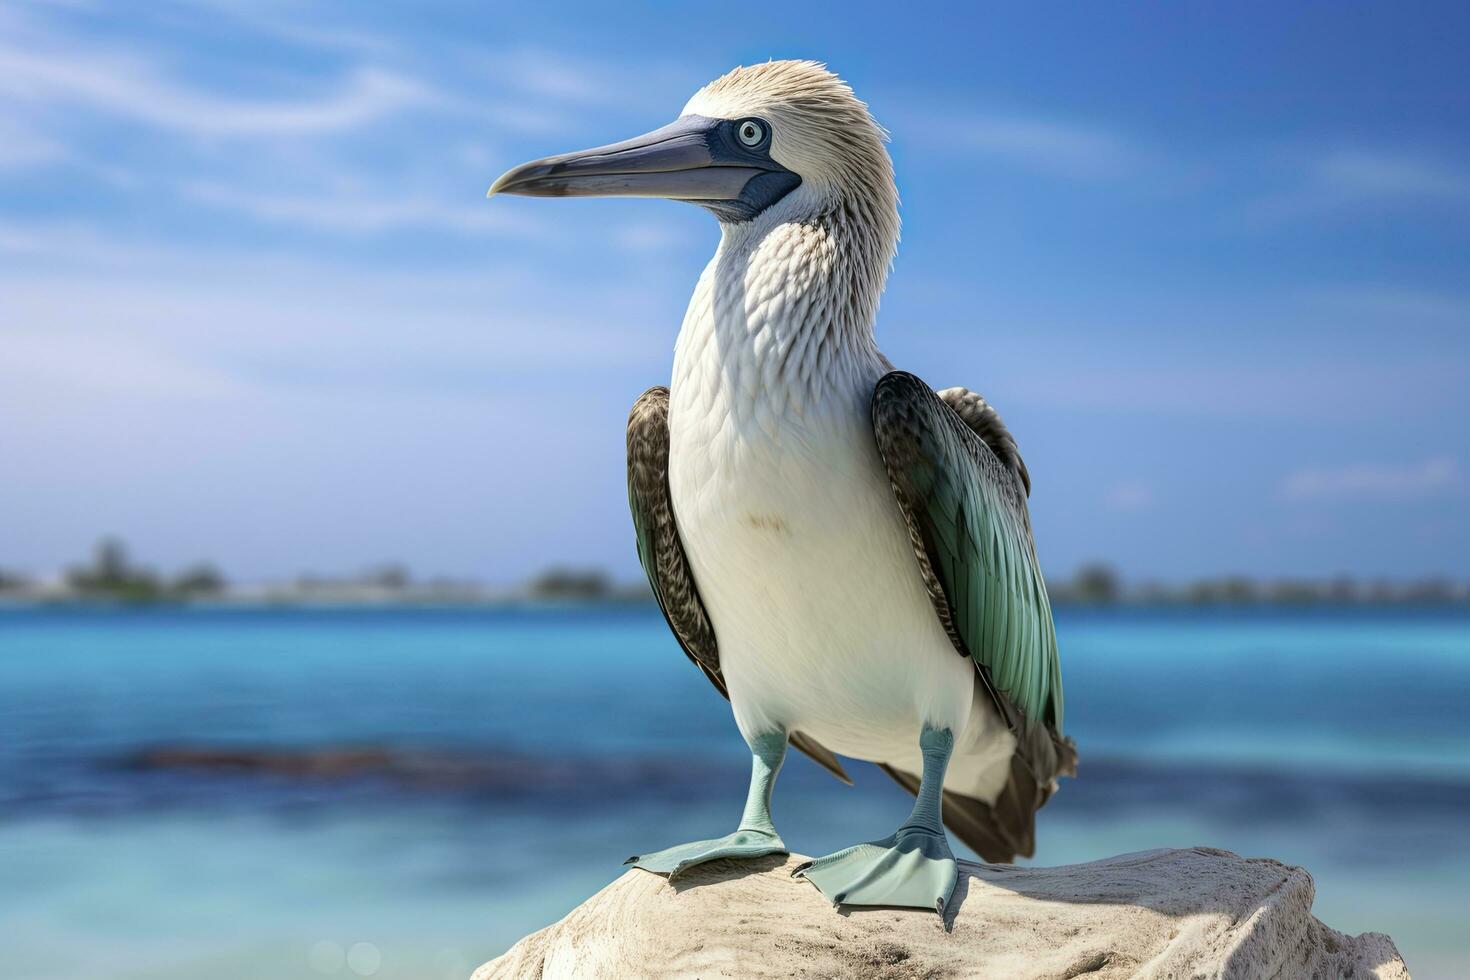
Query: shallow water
533	749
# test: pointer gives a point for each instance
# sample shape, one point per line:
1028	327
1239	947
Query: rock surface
1197	912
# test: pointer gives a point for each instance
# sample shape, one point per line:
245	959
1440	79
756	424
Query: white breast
797	545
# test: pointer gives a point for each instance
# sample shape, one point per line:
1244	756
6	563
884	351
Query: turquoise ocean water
514	758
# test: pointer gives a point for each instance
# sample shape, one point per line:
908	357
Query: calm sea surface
511	759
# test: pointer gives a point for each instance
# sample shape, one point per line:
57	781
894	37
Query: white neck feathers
782	318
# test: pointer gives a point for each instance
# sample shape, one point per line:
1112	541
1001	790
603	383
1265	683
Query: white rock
1189	913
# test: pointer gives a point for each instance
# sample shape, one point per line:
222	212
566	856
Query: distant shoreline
112	578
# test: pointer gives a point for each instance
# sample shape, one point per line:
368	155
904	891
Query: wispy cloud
309	314
1256	380
1051	146
650	236
552	76
556	78
43	66
1406	305
1391	174
1130	496
1032	140
297	169
102	366
22	147
364	213
1349	181
125	87
290	22
66	246
1373	481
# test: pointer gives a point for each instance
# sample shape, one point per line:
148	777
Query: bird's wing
962	491
962	488
661	552
984	421
659	549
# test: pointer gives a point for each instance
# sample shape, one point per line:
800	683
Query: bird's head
784	137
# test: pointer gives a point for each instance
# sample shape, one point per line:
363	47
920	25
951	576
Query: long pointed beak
691	159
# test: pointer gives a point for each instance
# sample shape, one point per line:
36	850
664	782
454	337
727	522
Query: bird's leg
756	836
913	867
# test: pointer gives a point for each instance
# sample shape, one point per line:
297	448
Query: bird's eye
751	132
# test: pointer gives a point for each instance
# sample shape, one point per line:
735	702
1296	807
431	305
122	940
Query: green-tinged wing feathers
661	553
982	419
963	496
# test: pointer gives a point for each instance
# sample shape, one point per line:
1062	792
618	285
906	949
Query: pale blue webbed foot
756	836
913	867
744	843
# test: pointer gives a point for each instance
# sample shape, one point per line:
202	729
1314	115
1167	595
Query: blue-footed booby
843	551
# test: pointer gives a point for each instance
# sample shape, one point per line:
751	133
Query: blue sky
1211	264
